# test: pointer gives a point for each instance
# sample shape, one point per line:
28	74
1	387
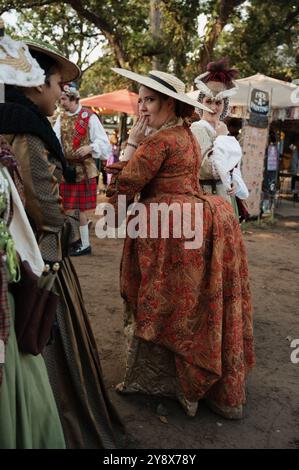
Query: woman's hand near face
137	133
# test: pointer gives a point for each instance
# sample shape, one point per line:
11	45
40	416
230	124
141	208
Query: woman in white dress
220	170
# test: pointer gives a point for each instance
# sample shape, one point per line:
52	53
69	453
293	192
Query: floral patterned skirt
188	315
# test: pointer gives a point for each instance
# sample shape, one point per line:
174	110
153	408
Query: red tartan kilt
82	196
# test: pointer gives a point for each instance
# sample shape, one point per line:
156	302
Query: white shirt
226	155
99	142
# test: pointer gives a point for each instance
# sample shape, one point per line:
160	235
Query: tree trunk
222	11
155	18
112	35
207	51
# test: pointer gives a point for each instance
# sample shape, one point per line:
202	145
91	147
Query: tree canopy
258	36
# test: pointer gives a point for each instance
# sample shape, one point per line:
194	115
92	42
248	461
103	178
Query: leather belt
212	183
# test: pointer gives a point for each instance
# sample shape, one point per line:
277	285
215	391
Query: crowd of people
188	312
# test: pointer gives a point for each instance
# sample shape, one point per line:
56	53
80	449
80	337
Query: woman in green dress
28	413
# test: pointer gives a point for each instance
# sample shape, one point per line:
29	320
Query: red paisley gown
188	312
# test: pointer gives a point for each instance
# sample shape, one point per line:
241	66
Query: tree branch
220	16
112	36
286	24
13	5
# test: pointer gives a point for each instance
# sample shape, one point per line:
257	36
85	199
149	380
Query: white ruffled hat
17	66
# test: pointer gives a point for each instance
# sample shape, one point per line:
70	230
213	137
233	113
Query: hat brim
68	69
154	85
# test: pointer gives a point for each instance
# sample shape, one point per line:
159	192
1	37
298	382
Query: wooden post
123	130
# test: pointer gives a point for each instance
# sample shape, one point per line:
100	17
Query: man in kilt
83	139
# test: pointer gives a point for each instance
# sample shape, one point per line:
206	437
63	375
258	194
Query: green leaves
99	34
264	39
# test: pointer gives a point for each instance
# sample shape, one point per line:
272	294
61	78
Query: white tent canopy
282	92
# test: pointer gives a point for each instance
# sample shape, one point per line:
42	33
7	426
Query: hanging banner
259	102
259	108
254	141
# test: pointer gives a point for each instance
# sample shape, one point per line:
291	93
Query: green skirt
235	206
28	413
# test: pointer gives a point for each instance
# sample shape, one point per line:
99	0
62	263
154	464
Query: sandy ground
272	409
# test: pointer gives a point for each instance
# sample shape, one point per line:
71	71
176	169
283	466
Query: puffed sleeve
226	155
242	191
202	136
43	201
142	168
101	147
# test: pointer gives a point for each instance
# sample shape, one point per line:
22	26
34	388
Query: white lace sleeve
202	137
226	155
99	141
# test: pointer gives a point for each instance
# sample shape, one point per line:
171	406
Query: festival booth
258	102
119	101
118	105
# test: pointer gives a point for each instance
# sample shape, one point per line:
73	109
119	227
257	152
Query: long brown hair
182	110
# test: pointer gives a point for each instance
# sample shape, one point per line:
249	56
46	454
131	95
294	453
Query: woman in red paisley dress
188	312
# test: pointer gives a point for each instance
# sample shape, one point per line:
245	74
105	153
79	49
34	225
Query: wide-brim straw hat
164	83
68	69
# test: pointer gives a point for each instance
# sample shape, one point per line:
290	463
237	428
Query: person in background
220	171
83	139
28	413
114	157
234	127
294	147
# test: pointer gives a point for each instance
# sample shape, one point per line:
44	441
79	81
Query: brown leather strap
212	183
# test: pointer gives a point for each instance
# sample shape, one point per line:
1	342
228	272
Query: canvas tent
119	101
282	94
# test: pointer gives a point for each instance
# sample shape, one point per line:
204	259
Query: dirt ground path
272	410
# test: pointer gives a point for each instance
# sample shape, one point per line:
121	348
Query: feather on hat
218	81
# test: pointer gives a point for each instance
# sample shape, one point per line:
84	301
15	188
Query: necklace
171	123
